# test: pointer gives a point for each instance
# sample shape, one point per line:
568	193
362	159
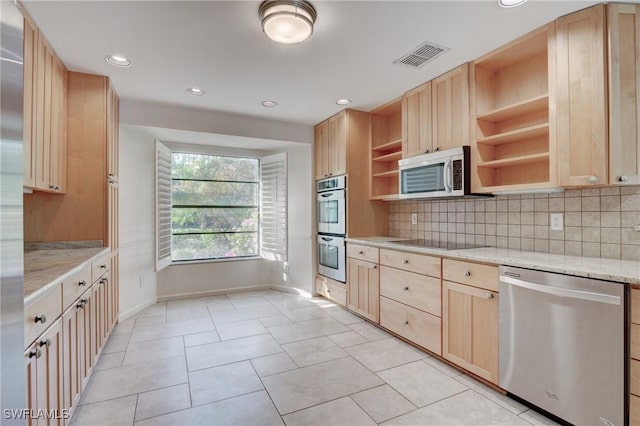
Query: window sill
234	259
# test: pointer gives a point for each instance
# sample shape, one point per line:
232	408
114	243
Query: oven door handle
447	179
563	292
325	195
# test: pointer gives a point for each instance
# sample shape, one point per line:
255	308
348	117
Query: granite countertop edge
624	271
41	280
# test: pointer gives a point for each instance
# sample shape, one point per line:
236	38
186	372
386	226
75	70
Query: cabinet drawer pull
406	322
103	266
467	274
42	318
360	252
406	261
375	266
328	291
45	342
35	353
406	289
82	283
102	281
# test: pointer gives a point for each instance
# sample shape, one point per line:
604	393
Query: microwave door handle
447	176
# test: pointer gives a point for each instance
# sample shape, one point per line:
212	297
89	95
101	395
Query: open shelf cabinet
386	150
514	132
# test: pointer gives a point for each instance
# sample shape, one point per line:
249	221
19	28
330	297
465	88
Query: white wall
137	210
141	286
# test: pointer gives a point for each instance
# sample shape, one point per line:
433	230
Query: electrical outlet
414	218
557	221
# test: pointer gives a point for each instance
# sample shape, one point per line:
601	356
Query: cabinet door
417	135
112	214
321	147
50	372
39	115
58	139
451	109
624	93
88	336
363	288
99	311
113	293
73	342
338	144
29	105
581	99
112	133
470	329
31	356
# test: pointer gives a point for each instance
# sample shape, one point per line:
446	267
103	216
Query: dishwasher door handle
563	292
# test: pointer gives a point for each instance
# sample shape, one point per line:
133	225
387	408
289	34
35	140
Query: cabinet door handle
593	179
406	322
623	179
406	289
42	318
103	266
56	188
361	252
488	296
82	283
51	186
467	274
328	291
437	149
406	261
45	342
375	266
35	353
103	281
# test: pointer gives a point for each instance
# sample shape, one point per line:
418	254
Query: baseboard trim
205	293
131	312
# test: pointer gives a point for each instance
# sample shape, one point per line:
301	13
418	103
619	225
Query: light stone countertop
626	271
44	269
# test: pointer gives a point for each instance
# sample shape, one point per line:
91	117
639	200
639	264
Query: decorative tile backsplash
598	222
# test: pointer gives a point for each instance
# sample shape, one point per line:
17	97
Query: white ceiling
219	46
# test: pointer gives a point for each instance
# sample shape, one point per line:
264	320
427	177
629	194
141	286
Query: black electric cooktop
445	245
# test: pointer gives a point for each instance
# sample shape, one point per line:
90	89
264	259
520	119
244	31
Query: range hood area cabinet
341	146
435	115
534	127
45	115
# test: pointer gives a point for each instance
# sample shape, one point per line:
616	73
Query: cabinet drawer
635	305
366	253
47	309
634	410
332	290
75	285
634	377
419	263
100	266
417	326
473	274
418	291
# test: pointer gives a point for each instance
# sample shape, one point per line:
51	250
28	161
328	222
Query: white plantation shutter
274	207
163	206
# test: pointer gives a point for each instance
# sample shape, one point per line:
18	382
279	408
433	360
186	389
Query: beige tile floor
272	358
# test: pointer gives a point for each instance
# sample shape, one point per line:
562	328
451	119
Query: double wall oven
331	214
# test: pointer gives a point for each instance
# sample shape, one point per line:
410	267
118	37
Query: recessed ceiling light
343	101
118	61
269	104
195	91
511	3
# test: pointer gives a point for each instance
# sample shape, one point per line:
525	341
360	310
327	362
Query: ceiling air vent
422	54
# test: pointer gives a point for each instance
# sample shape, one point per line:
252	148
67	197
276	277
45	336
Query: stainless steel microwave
437	174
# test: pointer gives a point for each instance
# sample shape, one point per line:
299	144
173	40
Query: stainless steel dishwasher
562	344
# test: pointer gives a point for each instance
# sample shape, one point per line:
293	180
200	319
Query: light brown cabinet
417	132
73	323
44	375
470	322
332	290
386	150
581	101
331	146
44	113
451	109
634	370
363	288
624	93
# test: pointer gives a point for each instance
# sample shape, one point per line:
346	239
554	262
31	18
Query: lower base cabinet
470	329
363	288
634	410
332	290
419	327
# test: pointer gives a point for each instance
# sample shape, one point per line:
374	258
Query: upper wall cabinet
435	115
331	146
624	94
582	98
514	144
417	129
45	118
386	149
451	109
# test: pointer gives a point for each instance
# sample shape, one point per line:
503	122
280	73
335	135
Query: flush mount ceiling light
269	104
195	91
287	21
343	101
511	3
118	61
